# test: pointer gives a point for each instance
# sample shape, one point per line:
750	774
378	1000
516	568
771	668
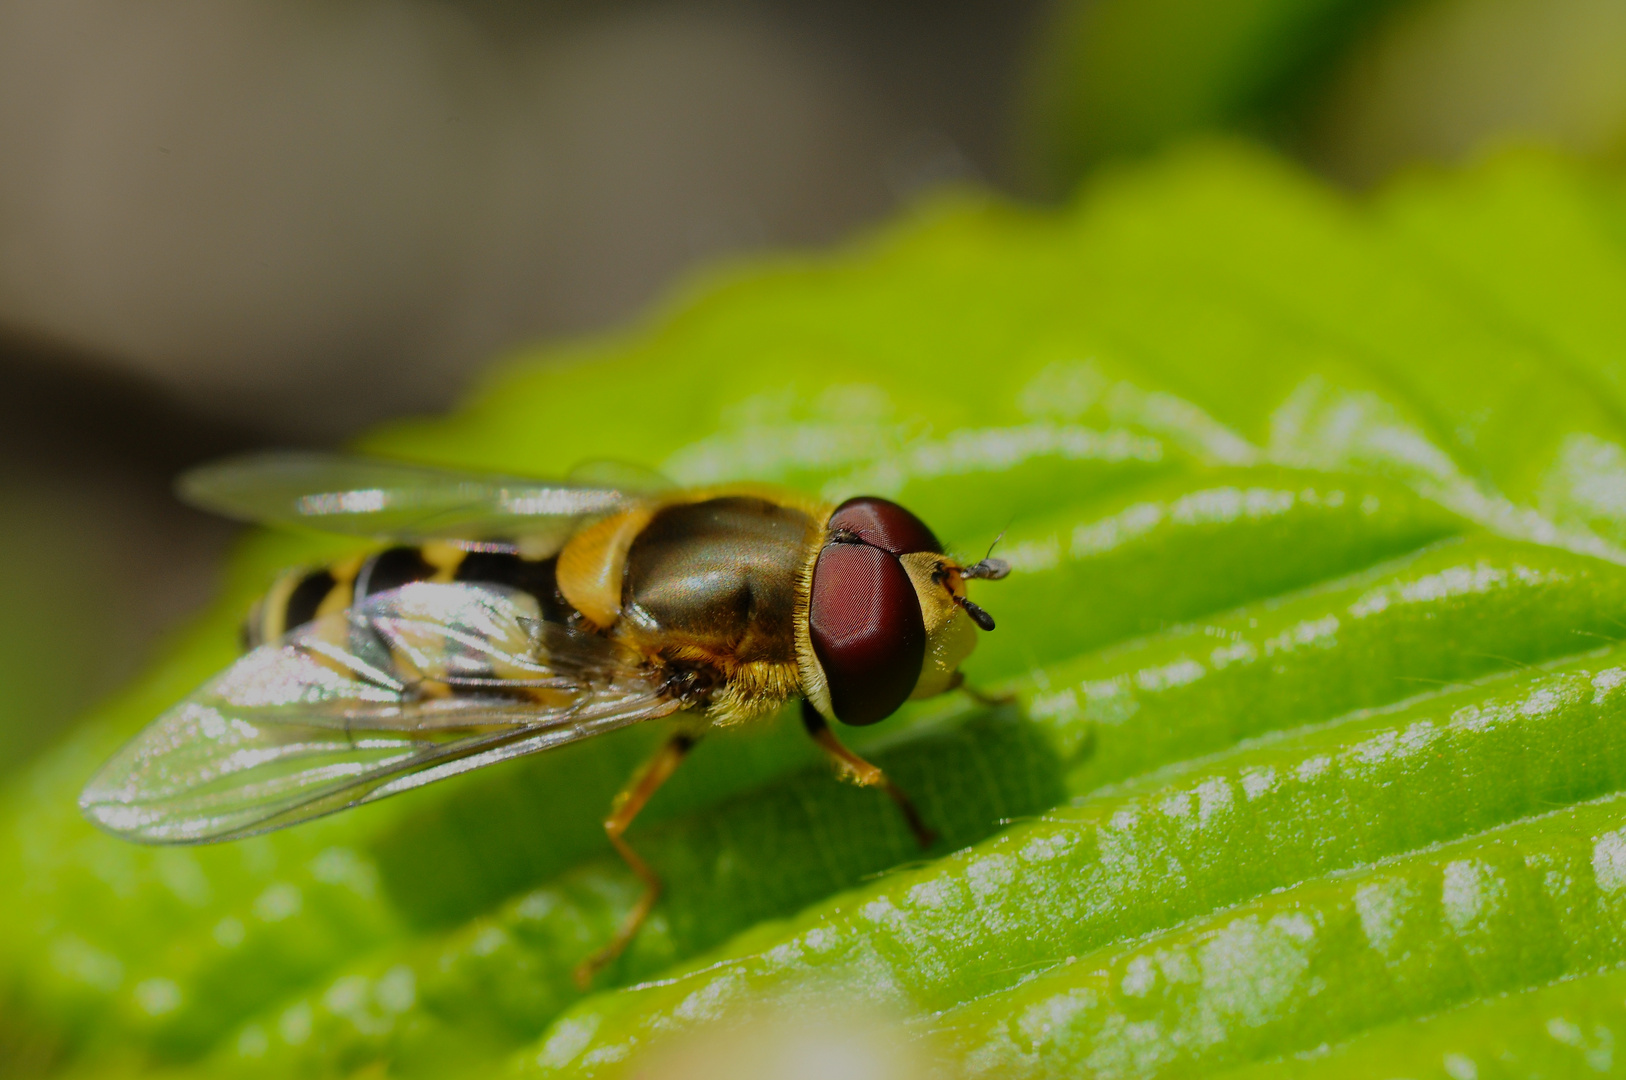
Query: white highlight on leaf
294	1025
252	1042
1323	426
79	961
1249	969
1588	477
1459	1067
1609	861
278	902
1468	892
229	932
1178	673
1381	907
157	996
1075	389
397	989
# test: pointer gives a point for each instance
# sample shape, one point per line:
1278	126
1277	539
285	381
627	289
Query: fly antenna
988	568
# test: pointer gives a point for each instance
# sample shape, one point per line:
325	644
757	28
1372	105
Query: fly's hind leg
627	804
862	773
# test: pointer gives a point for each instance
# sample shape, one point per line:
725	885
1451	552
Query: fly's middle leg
863	773
626	807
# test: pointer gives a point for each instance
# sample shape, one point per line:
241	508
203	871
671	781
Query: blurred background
236	223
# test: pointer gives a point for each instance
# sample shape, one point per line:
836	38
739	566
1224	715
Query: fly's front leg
627	804
979	697
862	773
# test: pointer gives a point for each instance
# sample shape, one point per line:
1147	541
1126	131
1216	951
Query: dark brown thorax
719	576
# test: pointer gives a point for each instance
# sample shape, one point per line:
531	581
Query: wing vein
327	718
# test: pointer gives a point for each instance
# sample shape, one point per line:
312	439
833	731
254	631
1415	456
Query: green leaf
1317	514
1318	961
1568	1028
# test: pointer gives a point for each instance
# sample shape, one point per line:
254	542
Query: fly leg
978	696
645	782
854	768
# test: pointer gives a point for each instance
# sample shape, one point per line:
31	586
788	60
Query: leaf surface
1317	515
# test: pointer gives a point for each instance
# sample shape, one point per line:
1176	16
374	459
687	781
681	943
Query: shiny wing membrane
410	686
371	497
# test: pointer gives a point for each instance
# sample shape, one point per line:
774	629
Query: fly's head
888	618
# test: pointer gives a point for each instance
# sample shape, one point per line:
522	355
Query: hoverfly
511	615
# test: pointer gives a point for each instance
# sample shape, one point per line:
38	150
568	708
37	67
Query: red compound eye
867	629
884	524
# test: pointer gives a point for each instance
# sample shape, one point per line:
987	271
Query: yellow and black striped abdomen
300	596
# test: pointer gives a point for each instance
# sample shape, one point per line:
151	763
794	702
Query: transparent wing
413	685
370	497
622	476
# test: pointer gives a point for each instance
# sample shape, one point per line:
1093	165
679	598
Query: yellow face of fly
950	633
